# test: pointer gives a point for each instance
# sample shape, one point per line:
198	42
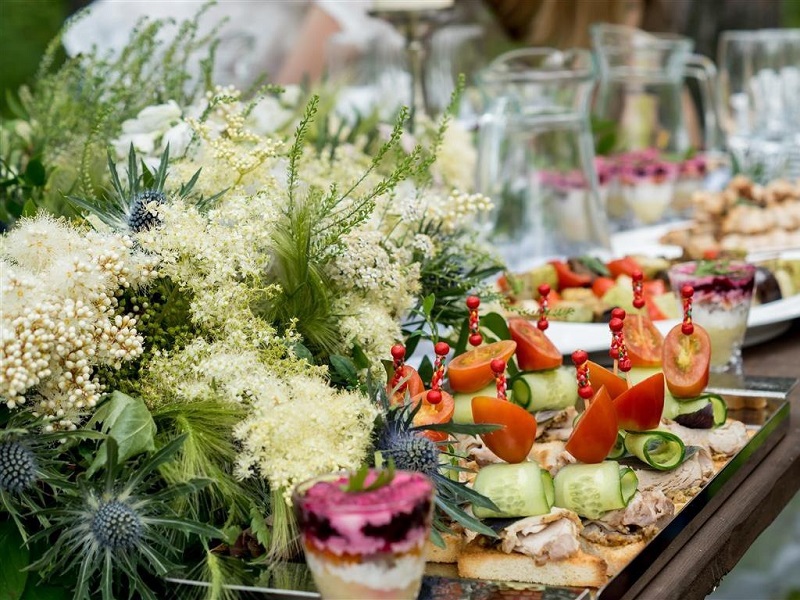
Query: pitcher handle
704	71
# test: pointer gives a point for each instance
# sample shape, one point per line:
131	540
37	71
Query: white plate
764	322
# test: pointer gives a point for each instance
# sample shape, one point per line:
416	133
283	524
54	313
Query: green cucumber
661	450
518	490
591	490
618	451
718	407
553	389
462	413
671	404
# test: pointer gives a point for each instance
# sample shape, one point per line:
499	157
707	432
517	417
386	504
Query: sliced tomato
409	381
595	432
471	371
568	278
686	361
639	408
643	341
601	285
623	266
514	441
614	384
432	414
535	351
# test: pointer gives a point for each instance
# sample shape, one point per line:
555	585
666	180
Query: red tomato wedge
569	278
432	414
640	407
686	361
596	431
643	341
623	266
601	285
513	442
535	351
472	371
411	381
614	384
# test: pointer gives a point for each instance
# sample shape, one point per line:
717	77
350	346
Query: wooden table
759	494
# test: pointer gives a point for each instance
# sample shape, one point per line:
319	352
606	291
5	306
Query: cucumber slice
720	409
553	389
661	450
591	490
518	490
462	413
618	451
718	406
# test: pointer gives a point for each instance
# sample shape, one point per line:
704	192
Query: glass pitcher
536	157
641	91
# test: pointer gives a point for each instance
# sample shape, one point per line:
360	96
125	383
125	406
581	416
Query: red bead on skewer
615	325
498	366
434	395
544	307
398	360
475	337
580	359
687	328
638	287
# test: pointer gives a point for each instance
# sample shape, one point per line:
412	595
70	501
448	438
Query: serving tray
441	582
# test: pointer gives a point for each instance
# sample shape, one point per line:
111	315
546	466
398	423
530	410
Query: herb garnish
714	267
356	481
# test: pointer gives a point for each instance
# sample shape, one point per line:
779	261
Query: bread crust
580	570
616	557
449	554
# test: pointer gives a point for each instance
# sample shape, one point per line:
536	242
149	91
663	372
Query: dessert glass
366	544
723	292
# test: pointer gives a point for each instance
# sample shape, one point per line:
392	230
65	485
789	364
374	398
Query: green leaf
428	304
45	592
29	208
497	325
15	559
259	527
344	368
128	421
301	351
35	174
359	358
426	369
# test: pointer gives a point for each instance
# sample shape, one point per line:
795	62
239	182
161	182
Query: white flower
178	138
153	119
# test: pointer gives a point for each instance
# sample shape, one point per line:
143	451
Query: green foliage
128	422
13	575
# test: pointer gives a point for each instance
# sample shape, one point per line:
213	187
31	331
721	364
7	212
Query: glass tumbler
365	544
723	292
536	157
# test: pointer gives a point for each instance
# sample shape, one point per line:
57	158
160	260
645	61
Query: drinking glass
365	544
758	86
536	157
723	292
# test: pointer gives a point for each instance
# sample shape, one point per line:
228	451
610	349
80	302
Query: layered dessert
648	188
367	543
723	291
692	175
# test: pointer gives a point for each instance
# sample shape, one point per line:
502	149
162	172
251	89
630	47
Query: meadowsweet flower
300	428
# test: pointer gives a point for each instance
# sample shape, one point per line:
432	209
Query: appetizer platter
579	476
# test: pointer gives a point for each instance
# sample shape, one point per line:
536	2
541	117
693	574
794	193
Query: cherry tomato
432	414
471	371
639	408
410	380
686	361
513	442
643	341
623	266
535	351
600	376
596	431
601	285
569	278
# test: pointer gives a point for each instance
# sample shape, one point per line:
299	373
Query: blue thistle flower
141	217
410	451
18	467
116	526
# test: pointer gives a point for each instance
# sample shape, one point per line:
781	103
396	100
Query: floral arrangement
200	290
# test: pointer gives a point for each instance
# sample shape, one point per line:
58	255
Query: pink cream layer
394	518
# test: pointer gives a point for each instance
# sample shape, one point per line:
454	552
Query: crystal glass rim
301	488
740	268
640	39
503	69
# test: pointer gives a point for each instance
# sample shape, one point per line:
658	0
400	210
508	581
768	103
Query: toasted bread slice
616	557
581	570
448	554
